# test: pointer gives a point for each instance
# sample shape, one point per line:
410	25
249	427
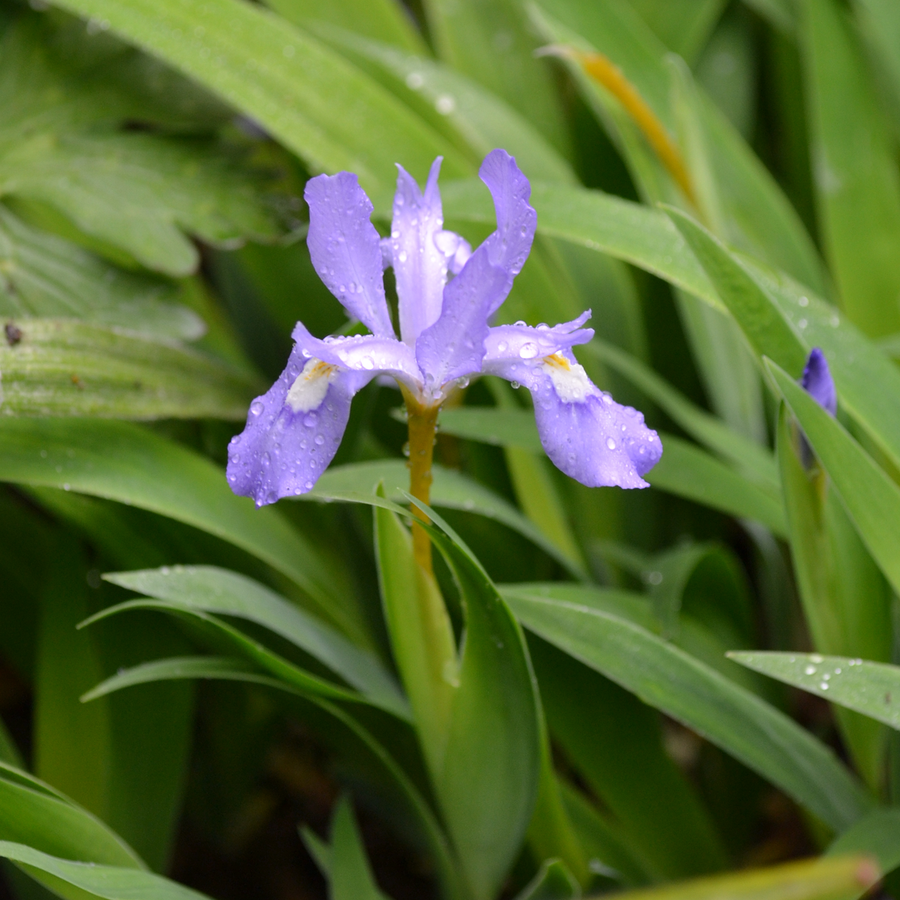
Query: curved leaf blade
681	686
124	462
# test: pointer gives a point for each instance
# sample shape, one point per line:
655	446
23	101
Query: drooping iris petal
293	430
420	265
817	381
363	356
510	244
454	345
345	248
584	431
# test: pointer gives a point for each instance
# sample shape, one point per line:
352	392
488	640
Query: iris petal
420	268
584	431
293	431
817	381
454	345
345	248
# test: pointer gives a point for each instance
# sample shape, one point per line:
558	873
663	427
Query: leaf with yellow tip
841	878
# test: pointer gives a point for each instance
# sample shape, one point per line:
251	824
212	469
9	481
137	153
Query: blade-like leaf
681	686
127	463
124	761
687	471
472	119
31	815
870	688
298	678
870	496
341	728
449	489
493	45
221	592
48	277
846	600
857	187
421	635
59	367
876	834
109	882
381	20
314	101
491	770
816	879
351	874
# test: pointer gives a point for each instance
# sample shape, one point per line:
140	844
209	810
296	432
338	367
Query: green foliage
600	720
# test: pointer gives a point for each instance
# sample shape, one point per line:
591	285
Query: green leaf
109	882
622	228
870	688
783	322
124	761
342	730
127	463
351	874
471	119
295	676
687	471
47	277
219	591
491	769
66	368
758	217
381	20
687	690
613	743
684	28
869	495
879	23
33	813
857	187
137	192
307	96
450	490
846	601
492	44
129	190
816	879
876	834
761	321
421	635
553	882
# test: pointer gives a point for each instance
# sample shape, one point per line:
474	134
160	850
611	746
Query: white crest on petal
569	379
310	386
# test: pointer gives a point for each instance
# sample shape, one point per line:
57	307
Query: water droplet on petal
256	407
529	350
502	347
402	256
368	362
611	443
310	420
320	439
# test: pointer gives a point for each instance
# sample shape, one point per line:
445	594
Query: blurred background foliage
717	180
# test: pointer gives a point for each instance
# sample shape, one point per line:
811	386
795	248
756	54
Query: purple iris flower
817	381
447	295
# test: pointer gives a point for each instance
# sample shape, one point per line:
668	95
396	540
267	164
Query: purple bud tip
817	381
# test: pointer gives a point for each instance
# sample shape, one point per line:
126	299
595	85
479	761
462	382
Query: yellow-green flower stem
422	421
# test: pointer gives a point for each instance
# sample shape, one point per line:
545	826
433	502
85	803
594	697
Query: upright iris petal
817	381
446	295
